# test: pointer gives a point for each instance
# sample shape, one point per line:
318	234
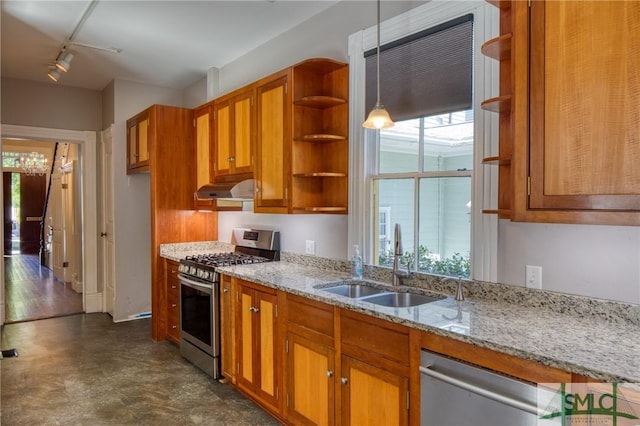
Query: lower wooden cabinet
258	351
372	395
311	381
228	294
173	301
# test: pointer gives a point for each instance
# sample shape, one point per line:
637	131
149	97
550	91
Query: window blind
426	73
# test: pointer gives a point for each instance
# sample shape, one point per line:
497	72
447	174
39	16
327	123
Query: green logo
586	403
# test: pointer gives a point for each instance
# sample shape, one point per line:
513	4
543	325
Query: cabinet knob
174	286
174	326
173	305
344	380
329	373
225	290
173	271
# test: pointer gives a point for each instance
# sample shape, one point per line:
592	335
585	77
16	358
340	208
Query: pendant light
378	117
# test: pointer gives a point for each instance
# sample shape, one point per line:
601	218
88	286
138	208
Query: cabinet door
584	105
243	124
223	126
227	325
204	153
310	394
138	145
273	146
371	395
258	369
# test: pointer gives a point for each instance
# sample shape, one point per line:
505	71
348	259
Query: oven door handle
194	284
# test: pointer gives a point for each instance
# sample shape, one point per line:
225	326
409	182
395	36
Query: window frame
364	145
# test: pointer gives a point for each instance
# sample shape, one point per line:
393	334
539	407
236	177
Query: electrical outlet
533	276
310	247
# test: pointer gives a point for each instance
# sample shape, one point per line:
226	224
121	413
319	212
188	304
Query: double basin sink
371	292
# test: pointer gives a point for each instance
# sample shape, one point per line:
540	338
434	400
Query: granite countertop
599	339
607	350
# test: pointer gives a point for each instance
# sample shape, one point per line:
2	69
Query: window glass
448	141
399	147
445	226
394	203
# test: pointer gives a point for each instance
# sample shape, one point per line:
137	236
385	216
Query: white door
107	221
57	227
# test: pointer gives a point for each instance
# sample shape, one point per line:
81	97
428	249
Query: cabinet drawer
312	315
173	321
390	341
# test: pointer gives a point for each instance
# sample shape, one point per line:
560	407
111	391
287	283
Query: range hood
242	190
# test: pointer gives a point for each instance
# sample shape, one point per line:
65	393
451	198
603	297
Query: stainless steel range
200	293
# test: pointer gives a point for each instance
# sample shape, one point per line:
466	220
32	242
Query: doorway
41	261
86	141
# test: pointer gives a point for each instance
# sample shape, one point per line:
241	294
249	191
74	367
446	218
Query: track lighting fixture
64	61
54	74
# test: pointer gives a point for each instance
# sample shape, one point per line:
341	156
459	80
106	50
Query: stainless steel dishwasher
457	394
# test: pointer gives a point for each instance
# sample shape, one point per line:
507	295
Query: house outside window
425	173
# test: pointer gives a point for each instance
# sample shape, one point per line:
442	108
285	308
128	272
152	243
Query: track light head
54	74
64	63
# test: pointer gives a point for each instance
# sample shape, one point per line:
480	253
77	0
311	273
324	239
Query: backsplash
581	306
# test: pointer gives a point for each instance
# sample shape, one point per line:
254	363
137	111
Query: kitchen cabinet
569	110
234	118
204	151
173	301
171	147
374	372
228	295
258	344
273	144
320	147
310	362
138	143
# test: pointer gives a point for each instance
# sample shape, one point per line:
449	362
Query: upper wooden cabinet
571	113
138	143
234	123
273	144
204	150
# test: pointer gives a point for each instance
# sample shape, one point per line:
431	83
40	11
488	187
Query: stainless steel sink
400	300
354	290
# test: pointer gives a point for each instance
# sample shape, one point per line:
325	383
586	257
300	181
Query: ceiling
165	43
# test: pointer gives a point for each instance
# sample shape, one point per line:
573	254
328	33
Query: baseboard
93	303
77	286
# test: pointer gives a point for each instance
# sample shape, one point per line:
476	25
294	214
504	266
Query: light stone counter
596	338
580	335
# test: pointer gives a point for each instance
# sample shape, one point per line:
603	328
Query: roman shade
426	73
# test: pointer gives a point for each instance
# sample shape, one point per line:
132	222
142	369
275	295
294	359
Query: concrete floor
86	370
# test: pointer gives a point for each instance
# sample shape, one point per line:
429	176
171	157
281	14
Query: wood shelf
325	209
319	174
320	138
498	48
499	104
500	4
320	102
502	213
496	161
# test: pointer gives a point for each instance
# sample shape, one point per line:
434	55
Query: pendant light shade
378	117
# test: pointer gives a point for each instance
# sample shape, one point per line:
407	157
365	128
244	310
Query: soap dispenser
356	263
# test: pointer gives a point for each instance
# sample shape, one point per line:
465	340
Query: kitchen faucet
398	275
459	288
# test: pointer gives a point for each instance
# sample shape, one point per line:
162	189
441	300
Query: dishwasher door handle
507	400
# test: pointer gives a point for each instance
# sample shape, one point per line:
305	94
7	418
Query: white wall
328	231
132	230
591	260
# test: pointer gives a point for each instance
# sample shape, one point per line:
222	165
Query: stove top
252	246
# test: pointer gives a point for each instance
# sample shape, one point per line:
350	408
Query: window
425	173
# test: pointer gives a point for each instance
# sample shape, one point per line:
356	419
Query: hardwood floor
32	292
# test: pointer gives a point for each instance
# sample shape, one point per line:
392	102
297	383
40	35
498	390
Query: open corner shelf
499	104
320	102
319	174
319	209
498	48
500	161
320	138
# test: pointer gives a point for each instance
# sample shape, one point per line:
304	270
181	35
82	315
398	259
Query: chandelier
33	163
